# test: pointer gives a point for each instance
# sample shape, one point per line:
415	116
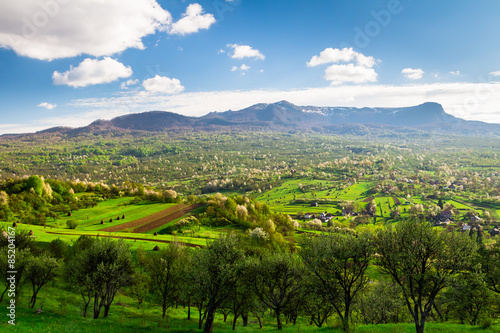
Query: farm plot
153	221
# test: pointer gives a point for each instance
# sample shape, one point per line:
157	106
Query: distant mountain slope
427	117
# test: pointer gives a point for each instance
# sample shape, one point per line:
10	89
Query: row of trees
426	273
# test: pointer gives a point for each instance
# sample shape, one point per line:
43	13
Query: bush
72	224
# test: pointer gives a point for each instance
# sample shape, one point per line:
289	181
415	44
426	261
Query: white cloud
413	74
330	55
221	51
54	29
47	105
497	73
92	71
162	84
338	74
126	84
192	21
456	73
245	67
261	71
234	68
245	51
360	72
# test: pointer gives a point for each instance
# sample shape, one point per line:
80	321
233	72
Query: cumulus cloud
126	84
47	105
413	74
54	29
456	73
92	71
245	51
338	74
245	67
330	55
234	68
497	73
192	21
358	70
162	84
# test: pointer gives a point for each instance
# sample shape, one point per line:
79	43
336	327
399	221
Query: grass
62	313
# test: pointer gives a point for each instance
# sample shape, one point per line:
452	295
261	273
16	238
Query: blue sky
68	63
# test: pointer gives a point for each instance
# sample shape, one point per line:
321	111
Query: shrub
72	224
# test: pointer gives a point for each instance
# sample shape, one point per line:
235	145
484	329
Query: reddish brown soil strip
369	199
396	201
146	219
166	219
135	238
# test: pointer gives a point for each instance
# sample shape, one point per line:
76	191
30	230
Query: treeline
422	274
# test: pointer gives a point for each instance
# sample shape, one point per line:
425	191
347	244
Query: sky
71	62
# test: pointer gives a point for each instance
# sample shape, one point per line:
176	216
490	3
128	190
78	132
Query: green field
90	218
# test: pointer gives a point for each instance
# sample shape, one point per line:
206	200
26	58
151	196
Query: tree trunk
1	297
85	307
245	319
278	319
106	310
33	301
97	307
209	321
234	321
260	320
420	325
201	317
345	318
189	308
163	309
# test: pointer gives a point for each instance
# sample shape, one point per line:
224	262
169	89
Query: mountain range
285	116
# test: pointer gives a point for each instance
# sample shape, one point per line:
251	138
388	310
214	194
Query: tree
381	303
277	279
469	297
338	263
440	203
36	183
57	248
422	260
490	263
100	271
220	264
4	199
21	261
316	303
140	287
195	286
40	271
165	271
242	300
